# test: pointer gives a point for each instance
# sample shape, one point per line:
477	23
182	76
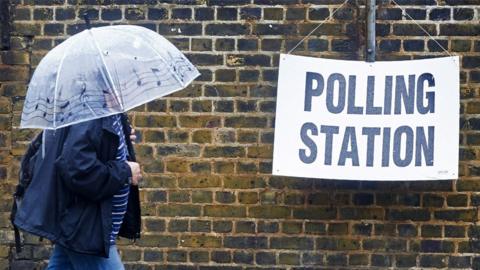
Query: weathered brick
181	13
459	29
265	167
178	196
250	13
135	14
273	13
155	121
358	259
274	29
224	197
435	246
318	13
199	256
223	106
199	182
463	14
317	45
223	151
265	258
409	214
227	2
332	29
221	256
177	136
158	241
386	199
337	259
189	29
45	14
337	228
433	261
459	261
157	13
344	45
179	150
292	227
454	231
225	75
271	44
313	258
242	257
289	258
389	14
241	242
295	13
227	14
177	256
201	106
268	212
131	254
458	200
224	211
178	226
315	213
13	73
300	243
431	231
456	215
197	241
440	14
231	29
111	14
389	45
153	256
15	58
200	167
437	45
414	45
222	227
173	210
416	14
245	122
413	30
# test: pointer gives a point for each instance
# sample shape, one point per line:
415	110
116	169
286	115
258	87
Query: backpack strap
23	182
18	242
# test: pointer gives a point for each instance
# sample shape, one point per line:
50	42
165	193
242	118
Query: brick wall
208	198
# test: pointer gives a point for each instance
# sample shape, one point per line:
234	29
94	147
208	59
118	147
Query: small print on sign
367	121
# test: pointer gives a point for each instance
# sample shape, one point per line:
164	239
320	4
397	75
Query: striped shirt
119	200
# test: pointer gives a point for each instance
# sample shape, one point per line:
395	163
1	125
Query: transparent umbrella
103	71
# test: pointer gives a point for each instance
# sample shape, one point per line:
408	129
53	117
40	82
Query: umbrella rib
56	85
117	95
161	57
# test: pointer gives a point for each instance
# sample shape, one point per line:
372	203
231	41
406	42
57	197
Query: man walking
93	194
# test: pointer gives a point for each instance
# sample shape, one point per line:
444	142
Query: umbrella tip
87	20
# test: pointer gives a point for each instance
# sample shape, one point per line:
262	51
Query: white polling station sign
355	120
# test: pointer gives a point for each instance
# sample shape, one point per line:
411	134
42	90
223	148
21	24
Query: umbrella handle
87	20
128	121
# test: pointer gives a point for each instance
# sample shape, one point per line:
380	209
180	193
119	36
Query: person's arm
81	170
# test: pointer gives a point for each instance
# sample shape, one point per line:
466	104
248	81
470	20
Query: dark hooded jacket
69	200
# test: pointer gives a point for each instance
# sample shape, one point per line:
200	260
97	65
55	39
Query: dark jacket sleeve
81	170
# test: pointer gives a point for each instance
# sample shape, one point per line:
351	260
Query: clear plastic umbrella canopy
103	71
